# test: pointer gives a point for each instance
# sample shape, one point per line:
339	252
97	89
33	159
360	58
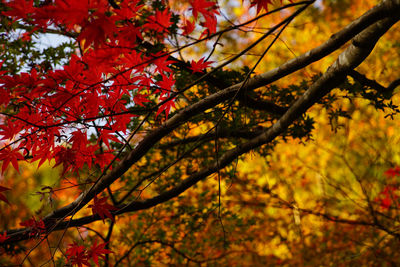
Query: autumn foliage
171	133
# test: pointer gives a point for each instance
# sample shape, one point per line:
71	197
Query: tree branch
363	80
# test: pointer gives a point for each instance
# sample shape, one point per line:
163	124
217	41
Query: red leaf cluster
209	12
56	108
80	256
391	192
102	208
37	228
387	197
393	172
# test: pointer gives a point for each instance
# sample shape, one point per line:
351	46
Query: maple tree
137	123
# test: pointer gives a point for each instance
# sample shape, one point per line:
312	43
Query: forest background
326	191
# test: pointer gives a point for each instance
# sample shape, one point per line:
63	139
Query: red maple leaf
187	27
210	24
97	251
128	10
165	85
203	7
3	237
9	129
200	65
160	22
2	197
139	99
161	61
77	255
106	136
166	106
101	208
8	155
263	4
